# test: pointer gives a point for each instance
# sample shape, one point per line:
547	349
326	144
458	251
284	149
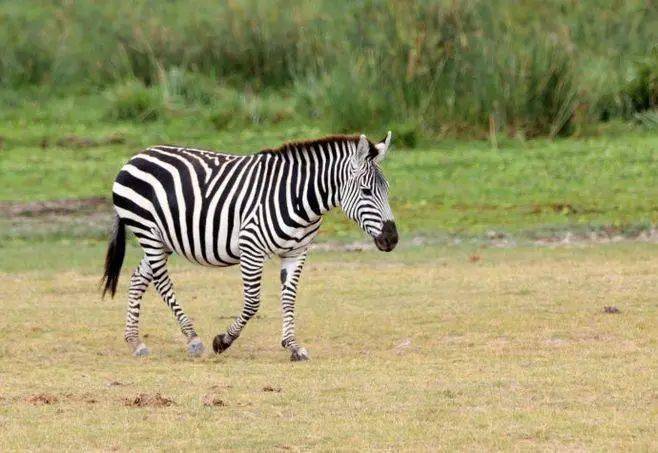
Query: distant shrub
132	100
189	87
648	119
232	108
540	94
406	134
642	90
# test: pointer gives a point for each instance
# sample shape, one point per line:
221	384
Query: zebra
219	209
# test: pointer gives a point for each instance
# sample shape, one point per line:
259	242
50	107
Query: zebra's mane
309	143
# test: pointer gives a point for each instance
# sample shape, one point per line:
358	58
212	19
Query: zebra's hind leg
291	270
165	289
139	281
251	266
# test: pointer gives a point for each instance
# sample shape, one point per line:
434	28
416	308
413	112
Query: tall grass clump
132	100
234	109
445	68
642	89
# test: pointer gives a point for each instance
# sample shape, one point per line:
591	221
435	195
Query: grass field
424	348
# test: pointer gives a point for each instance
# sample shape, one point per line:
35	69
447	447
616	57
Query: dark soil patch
73	141
269	388
13	209
89	398
216	387
211	400
40	399
146	400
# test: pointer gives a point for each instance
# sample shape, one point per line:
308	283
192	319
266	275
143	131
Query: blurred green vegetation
427	68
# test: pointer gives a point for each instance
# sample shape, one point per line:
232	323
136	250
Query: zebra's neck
309	176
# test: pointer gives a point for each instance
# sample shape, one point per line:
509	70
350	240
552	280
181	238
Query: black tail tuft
116	249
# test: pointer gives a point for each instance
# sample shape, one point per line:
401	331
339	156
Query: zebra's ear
382	148
362	150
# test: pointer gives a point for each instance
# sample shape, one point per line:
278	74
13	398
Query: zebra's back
193	201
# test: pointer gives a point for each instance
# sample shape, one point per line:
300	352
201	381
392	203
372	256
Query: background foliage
432	68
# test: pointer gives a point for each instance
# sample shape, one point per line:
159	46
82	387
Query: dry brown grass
420	349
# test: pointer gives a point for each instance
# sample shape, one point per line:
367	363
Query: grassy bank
421	349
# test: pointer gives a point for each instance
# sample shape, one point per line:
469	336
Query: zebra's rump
193	201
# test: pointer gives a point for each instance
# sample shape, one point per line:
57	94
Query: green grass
421	349
445	186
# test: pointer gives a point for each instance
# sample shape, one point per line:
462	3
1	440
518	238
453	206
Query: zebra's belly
216	252
225	261
221	252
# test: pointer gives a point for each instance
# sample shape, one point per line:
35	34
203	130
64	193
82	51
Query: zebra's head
364	196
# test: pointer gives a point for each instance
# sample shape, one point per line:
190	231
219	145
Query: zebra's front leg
291	270
165	289
251	266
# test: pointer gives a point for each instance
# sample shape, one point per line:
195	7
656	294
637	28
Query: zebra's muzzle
388	238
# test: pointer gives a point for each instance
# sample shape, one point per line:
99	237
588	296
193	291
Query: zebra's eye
366	191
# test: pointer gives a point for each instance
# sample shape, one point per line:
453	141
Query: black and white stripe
221	209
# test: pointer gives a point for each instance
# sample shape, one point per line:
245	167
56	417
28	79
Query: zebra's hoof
195	347
221	343
299	355
141	350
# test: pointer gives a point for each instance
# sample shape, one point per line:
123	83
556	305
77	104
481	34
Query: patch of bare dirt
556	342
402	346
14	209
212	400
146	400
217	387
74	141
41	399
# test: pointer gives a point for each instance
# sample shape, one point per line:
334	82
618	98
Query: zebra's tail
116	249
